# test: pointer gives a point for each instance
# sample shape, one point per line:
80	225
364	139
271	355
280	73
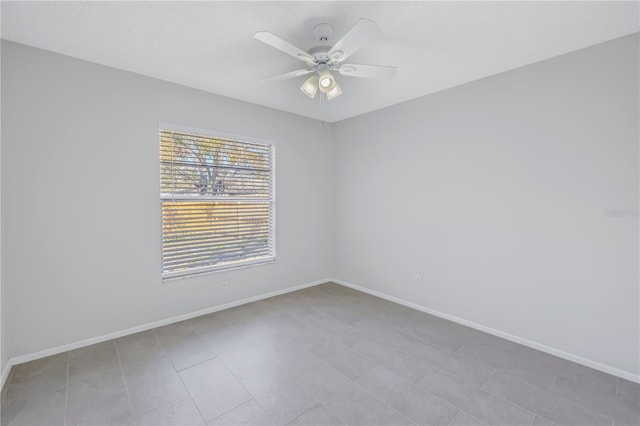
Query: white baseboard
155	324
526	342
5	374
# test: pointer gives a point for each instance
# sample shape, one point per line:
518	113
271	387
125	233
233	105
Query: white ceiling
210	45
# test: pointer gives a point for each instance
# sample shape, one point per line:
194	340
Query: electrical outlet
418	280
223	287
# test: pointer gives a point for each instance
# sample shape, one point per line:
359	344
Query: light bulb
327	83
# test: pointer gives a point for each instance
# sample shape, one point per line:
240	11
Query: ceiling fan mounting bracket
323	32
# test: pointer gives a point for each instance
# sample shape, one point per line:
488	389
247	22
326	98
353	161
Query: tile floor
327	355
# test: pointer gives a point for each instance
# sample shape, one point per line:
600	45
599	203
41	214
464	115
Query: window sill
186	275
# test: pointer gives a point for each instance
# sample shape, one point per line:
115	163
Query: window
217	196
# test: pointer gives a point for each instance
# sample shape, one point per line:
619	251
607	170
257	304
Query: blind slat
212	254
207	260
200	228
205	244
173	236
207	235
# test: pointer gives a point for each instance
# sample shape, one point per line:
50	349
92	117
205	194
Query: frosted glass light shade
335	92
310	86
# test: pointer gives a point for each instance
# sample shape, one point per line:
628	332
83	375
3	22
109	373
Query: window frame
272	204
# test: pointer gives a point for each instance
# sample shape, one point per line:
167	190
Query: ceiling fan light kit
322	59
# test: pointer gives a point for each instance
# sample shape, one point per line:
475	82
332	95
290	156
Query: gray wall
495	192
80	198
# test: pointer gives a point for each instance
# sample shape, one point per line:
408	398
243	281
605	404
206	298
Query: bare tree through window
217	201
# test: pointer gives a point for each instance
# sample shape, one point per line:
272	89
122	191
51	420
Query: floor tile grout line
450	373
558	371
526	410
543	417
124	379
457	351
586	409
449	353
454	417
247	390
192	398
440	348
583	405
339	372
253	398
242	384
484	382
306	411
366	391
437	347
165	353
298	375
500	398
555	379
509	354
194	365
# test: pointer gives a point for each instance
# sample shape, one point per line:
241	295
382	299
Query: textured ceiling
210	45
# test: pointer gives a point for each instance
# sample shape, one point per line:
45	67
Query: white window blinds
217	198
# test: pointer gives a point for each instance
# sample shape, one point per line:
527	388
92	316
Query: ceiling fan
323	59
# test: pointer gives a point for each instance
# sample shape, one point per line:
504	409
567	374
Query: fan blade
367	71
284	46
362	32
288	75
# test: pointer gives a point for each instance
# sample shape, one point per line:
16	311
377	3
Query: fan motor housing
321	56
